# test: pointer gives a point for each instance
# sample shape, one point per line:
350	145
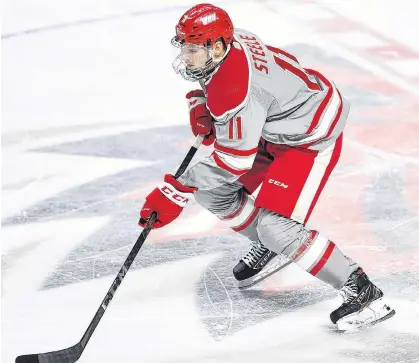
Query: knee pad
323	259
280	234
243	215
235	207
313	253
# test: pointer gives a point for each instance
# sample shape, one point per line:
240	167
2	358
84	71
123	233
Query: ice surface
93	116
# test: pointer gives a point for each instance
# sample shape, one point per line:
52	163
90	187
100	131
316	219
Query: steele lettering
260	62
258	52
246	37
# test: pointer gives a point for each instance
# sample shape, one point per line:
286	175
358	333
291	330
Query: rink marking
372	47
386	53
384	155
358	38
88	21
102	19
55	240
227	294
402	223
408	68
36	139
328	39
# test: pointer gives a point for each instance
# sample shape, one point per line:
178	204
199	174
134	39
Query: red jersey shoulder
229	86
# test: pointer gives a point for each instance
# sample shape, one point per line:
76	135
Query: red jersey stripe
338	114
319	265
239	128
248	221
231	129
283	52
235	152
224	166
320	110
298	72
238	211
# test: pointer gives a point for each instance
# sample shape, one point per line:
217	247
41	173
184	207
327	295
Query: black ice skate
363	304
255	266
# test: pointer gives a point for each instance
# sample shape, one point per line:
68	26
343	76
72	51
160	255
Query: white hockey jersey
263	92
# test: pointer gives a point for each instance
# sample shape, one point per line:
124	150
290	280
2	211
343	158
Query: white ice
79	71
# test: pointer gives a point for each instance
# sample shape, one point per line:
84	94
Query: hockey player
277	134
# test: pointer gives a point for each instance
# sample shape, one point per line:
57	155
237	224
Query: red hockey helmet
204	24
197	30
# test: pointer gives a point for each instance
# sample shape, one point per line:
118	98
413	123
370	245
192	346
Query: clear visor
191	60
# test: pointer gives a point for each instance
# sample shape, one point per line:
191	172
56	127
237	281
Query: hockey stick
72	354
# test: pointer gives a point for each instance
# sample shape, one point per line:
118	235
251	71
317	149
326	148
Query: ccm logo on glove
168	201
175	196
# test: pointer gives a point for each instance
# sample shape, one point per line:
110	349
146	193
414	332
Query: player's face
192	61
194	56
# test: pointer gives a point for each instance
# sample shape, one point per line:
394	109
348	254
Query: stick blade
30	358
69	355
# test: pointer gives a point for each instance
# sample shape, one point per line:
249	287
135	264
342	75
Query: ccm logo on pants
299	187
276	182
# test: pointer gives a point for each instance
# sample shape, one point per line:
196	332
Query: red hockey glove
199	116
167	200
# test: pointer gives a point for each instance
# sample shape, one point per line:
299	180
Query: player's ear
218	49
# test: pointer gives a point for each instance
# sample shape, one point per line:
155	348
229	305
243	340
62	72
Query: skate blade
276	264
376	312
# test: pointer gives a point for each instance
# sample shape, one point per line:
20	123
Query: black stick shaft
72	354
111	292
131	257
189	156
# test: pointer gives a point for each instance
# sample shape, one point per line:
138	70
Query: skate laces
255	253
350	291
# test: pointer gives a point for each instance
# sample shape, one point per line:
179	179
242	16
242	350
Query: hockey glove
200	118
168	201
